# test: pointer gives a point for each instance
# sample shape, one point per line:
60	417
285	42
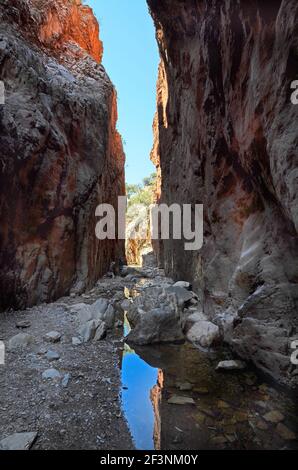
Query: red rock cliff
61	154
226	136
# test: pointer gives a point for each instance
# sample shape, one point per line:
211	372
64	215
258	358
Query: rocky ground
61	379
81	408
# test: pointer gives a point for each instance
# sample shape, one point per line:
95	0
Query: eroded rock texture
226	136
61	155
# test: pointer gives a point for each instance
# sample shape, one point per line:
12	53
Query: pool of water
225	410
138	378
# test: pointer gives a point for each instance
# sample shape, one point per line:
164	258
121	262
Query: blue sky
131	60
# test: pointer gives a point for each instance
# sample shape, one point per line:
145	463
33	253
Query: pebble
285	433
23	324
180	400
219	440
52	337
201	390
76	341
51	374
65	380
52	356
42	351
184	387
223	404
231	365
274	417
262	425
200	418
240	416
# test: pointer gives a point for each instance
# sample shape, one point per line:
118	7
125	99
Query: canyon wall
226	137
60	152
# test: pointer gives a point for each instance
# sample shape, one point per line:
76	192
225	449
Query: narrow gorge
106	344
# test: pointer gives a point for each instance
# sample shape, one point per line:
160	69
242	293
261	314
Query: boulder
20	341
87	331
83	312
101	310
109	316
203	333
183	296
155	317
184	284
18	441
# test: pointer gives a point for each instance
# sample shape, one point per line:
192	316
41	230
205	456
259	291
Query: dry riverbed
79	410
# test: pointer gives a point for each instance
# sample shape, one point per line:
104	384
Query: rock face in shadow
61	154
226	136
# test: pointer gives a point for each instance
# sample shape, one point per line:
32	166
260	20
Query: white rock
18	441
76	341
87	331
22	340
65	380
155	317
52	337
52	374
180	400
87	313
197	316
203	333
101	332
231	365
99	307
184	284
52	356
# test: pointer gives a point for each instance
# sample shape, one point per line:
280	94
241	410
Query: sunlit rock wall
60	152
226	136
